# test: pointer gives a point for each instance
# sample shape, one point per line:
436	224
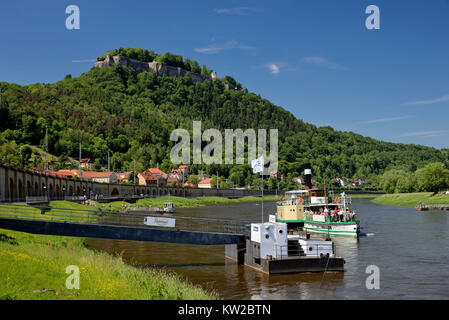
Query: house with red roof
157	172
149	179
87	164
100	177
174	181
189	184
184	169
123	177
205	184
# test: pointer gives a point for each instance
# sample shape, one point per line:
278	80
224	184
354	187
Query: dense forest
132	115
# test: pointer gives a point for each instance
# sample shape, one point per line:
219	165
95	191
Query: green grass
34	267
22	210
181	202
363	196
411	199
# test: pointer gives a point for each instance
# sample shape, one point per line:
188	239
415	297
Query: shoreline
411	199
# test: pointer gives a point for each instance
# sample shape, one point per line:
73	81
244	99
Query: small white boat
169	207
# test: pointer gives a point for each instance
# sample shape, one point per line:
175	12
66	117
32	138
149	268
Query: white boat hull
336	229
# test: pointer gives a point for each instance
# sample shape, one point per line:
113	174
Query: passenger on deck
352	215
341	215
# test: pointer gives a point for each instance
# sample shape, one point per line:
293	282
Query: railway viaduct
16	184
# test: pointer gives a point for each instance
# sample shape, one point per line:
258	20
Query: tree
194	179
25	153
398	181
237	175
213	182
433	177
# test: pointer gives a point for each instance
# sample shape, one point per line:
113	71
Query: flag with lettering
257	165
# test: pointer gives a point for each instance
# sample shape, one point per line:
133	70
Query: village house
176	173
342	182
157	172
87	164
184	169
359	182
149	179
173	180
123	177
189	184
205	184
100	177
277	175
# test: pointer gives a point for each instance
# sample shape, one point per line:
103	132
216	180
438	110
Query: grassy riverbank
411	199
181	202
363	196
34	267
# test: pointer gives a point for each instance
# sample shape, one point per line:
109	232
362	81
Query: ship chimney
308	176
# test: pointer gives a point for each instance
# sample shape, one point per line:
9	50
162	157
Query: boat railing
342	200
298	250
310	217
293	202
329	218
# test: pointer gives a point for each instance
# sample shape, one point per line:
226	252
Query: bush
433	177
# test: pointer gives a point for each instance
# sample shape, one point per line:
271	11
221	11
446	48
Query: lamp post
63	192
45	190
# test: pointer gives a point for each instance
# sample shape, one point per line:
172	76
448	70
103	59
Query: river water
410	248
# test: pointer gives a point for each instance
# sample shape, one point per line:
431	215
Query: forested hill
132	115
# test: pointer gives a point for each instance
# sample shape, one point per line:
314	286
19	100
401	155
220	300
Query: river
410	248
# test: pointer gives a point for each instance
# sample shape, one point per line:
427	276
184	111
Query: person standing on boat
341	214
334	215
352	215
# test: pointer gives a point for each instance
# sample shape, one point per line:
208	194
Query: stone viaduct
17	184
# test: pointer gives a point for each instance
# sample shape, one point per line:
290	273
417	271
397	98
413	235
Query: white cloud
424	134
240	11
232	44
274	69
387	119
322	62
424	102
83	60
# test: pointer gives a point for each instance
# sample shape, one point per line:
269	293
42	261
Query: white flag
257	165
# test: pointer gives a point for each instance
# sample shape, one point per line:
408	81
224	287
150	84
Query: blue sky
313	58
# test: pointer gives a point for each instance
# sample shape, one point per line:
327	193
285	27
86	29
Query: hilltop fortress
160	68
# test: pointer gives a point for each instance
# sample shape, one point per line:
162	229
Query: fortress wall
160	68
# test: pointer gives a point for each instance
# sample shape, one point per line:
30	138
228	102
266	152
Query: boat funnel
308	176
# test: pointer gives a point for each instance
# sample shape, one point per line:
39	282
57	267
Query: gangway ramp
120	226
